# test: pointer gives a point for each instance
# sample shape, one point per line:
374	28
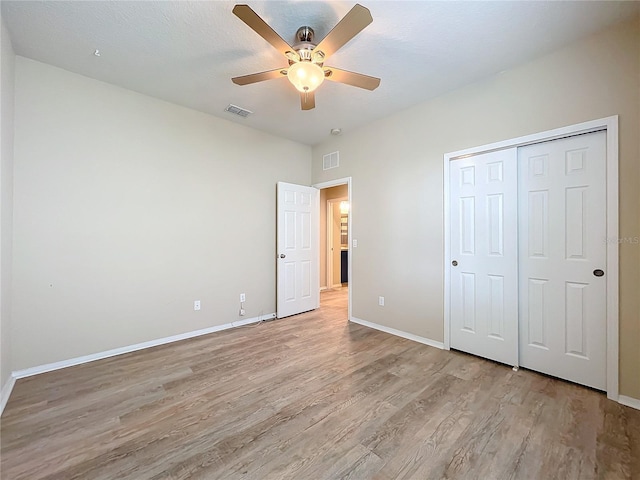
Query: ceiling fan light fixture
306	58
305	76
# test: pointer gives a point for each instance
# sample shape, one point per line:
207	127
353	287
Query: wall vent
242	112
331	160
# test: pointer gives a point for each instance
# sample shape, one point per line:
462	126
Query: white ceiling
187	52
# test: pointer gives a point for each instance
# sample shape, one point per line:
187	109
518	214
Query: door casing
610	125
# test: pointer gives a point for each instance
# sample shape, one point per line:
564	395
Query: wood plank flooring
311	397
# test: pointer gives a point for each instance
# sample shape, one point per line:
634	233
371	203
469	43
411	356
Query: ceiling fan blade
351	78
260	77
353	23
253	20
308	100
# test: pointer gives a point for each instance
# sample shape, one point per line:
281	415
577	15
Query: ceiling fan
306	69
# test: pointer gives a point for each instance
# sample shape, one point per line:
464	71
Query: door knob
282	255
454	263
598	273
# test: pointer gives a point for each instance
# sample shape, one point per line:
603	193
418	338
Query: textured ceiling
187	52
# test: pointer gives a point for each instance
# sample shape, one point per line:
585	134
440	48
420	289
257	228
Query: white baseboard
622	399
6	392
7	388
399	333
629	401
132	348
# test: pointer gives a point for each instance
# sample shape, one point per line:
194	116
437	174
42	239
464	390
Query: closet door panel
484	249
562	235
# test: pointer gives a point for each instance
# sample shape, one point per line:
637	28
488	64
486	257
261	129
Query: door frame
329	239
610	125
334	183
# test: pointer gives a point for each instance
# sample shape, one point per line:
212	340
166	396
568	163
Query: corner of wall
7	79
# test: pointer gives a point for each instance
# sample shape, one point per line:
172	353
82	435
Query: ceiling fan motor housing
305	45
305	35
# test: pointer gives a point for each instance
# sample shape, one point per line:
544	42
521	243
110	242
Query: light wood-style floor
311	397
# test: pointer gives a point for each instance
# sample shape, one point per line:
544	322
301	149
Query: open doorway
335	218
334	259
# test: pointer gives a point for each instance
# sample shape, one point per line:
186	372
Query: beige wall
6	200
397	169
340	191
127	209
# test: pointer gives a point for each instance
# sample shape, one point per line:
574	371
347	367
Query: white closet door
484	272
562	243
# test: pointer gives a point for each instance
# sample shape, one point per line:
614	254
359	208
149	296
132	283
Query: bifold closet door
562	260
484	271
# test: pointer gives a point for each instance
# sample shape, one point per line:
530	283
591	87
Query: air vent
242	112
331	160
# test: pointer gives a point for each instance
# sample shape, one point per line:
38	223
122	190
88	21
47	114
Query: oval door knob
454	263
282	255
598	273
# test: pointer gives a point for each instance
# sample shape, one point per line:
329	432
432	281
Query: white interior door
298	239
562	243
484	271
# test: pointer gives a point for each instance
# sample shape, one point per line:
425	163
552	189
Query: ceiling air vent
330	160
242	112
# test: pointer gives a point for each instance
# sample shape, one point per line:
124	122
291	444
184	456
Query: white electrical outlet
196	305
381	301
355	243
243	298
241	312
